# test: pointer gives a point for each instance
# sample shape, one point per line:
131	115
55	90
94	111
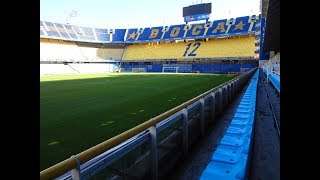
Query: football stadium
196	100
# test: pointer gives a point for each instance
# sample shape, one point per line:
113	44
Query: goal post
139	69
170	69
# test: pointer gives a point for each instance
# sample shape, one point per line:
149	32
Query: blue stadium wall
225	27
222	68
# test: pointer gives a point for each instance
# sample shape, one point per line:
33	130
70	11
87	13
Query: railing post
242	80
213	104
220	100
202	118
185	131
236	85
232	90
225	96
229	93
75	173
154	152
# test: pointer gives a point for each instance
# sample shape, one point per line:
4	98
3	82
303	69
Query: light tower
72	14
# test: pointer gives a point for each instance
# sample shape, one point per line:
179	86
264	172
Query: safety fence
274	78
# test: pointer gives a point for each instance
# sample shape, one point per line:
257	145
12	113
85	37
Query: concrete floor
265	164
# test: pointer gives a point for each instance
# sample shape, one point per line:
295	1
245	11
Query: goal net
139	69
170	69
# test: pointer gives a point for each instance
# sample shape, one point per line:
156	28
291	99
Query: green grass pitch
80	111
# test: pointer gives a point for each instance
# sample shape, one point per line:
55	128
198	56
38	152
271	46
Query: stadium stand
93	53
217	40
241	26
87	33
59	50
218	47
92	67
230	159
52	69
71	32
102	34
50	29
118	35
75	68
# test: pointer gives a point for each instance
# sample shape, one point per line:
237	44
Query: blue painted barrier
274	78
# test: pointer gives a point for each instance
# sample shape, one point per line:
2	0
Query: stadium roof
272	33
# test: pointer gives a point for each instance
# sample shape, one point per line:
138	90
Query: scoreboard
197	12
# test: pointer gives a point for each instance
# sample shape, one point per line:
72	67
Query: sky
138	13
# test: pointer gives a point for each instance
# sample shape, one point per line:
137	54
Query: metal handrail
71	163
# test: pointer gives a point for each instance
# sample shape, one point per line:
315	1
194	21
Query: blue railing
230	159
274	78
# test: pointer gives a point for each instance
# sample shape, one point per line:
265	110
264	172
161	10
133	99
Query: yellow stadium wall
214	48
109	53
59	49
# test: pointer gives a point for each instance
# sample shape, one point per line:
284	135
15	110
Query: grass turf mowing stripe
80	111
